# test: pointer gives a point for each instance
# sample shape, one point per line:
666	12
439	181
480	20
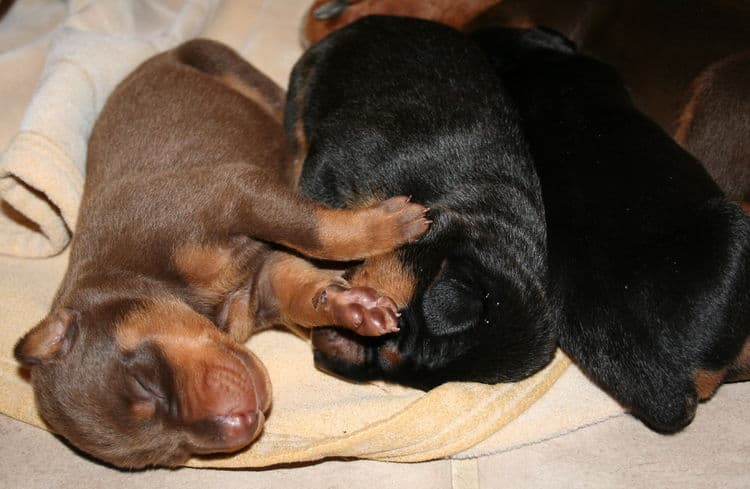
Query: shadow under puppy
389	106
174	263
650	260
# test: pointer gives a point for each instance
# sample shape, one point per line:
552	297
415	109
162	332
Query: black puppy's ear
48	340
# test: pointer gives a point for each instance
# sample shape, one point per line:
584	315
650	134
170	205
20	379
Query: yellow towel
89	46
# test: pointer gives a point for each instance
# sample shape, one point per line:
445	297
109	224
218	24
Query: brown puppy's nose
238	430
236	398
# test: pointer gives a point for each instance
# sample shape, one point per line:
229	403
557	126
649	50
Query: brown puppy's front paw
397	221
360	309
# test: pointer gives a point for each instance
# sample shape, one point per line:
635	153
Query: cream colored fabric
97	43
89	46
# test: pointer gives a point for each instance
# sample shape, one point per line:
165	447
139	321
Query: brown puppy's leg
387	274
347	234
715	122
215	59
239	199
302	294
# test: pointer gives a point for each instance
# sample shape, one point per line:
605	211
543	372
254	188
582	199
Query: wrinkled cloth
58	63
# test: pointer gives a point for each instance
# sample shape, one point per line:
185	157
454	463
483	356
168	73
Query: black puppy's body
393	106
651	261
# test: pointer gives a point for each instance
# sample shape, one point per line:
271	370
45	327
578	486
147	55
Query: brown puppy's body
189	182
687	63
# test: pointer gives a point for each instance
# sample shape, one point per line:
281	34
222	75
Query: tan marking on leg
740	368
219	276
387	274
235	316
707	381
312	297
205	267
294	284
212	271
745	205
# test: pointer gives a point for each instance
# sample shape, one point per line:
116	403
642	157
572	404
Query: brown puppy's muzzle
220	390
225	400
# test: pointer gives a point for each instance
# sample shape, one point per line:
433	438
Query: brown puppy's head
138	384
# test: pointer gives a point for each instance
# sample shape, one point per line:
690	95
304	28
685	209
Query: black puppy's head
460	325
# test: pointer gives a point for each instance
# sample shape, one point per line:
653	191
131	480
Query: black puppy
651	262
389	106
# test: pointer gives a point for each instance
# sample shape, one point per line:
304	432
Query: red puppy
188	201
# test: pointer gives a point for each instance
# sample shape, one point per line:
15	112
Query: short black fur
651	262
402	106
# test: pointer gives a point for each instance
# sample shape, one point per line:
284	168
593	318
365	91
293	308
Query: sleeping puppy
698	91
390	106
176	260
650	261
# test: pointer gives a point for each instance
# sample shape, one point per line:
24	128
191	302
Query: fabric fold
43	168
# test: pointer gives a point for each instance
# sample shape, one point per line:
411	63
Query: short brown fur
189	185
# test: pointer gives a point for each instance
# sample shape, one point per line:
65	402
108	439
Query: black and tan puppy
390	106
175	262
650	259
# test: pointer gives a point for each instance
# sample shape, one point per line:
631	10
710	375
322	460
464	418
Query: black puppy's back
651	261
402	106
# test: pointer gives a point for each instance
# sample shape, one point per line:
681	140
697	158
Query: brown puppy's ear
48	340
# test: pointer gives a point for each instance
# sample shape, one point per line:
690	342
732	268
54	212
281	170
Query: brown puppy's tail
230	68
